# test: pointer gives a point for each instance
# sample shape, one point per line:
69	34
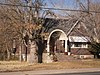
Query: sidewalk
46	72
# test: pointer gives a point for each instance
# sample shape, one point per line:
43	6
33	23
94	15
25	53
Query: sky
67	4
63	4
72	4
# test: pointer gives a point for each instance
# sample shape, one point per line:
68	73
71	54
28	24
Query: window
84	45
79	45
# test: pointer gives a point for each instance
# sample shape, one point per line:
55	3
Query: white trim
86	46
78	39
78	47
48	40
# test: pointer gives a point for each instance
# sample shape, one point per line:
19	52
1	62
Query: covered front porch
57	46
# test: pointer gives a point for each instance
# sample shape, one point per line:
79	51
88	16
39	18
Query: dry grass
21	66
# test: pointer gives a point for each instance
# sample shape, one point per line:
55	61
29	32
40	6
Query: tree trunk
4	55
20	53
25	53
8	54
33	58
41	47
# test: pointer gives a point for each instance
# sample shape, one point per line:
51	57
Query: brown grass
21	66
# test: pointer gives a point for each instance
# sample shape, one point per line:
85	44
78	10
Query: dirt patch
23	66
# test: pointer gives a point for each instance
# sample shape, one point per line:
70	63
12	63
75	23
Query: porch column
48	48
67	47
66	51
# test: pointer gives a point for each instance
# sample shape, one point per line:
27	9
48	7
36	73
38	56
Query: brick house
59	43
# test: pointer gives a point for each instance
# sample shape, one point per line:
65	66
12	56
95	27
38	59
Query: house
67	37
60	44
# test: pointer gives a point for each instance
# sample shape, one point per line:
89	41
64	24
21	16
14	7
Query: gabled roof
65	25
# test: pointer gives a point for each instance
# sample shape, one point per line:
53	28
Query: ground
24	66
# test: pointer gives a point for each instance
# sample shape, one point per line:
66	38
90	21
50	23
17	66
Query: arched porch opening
57	42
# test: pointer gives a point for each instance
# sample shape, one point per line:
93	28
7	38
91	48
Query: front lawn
23	66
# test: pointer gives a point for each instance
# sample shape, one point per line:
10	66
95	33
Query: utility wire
47	8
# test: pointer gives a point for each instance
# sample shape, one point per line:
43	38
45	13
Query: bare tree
24	23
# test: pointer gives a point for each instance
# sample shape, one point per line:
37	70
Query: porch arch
48	40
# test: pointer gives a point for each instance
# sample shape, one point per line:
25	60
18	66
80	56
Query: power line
47	8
